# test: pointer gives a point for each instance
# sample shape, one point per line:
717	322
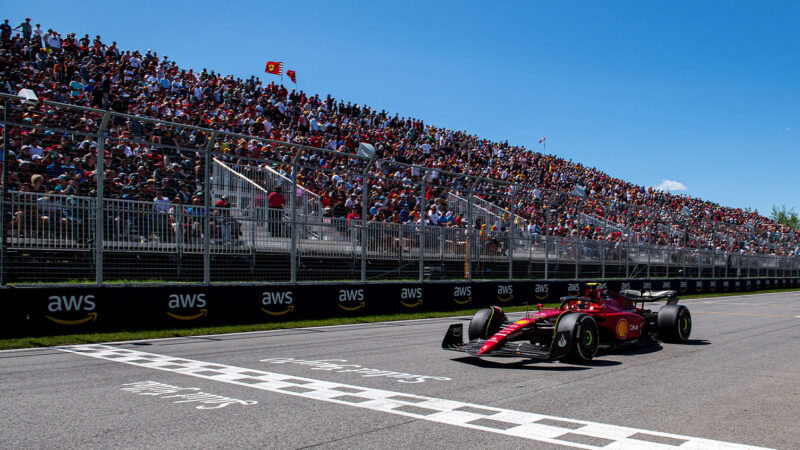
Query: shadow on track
533	364
697	342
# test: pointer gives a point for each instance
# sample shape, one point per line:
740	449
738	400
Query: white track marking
537	427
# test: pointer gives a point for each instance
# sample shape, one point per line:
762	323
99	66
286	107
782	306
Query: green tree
786	217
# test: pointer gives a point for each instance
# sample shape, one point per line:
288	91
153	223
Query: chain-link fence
178	203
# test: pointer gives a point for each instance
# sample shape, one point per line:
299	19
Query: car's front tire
585	336
674	323
486	322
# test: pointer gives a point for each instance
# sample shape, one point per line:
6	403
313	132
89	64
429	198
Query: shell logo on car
622	329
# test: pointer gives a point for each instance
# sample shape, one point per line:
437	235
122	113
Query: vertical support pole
547	207
604	243
713	251
578	244
423	207
207	210
293	206
4	199
471	242
512	229
99	176
364	223
628	246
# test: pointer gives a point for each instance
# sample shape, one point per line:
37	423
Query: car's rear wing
651	296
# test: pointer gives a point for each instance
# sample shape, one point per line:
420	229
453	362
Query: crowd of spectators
141	162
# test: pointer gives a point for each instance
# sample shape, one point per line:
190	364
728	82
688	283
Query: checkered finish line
537	427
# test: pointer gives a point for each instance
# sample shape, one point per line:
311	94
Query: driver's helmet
595	291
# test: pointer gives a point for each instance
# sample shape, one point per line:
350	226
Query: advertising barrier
75	309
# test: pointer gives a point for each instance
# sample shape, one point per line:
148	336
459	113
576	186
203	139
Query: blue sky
704	93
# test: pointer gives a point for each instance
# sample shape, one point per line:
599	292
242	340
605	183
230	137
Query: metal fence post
578	244
511	230
4	199
423	215
628	246
470	235
207	210
364	212
293	206
604	244
99	175
547	208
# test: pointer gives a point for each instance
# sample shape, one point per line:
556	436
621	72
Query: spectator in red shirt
275	202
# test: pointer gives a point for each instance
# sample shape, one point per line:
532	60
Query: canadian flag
542	140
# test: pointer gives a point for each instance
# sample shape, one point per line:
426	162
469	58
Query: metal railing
95	233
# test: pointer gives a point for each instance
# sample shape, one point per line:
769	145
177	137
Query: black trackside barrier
30	311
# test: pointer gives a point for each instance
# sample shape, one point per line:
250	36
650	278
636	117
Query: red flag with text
274	67
542	140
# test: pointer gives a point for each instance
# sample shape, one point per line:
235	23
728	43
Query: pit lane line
527	425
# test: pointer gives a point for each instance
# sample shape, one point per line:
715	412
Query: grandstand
190	159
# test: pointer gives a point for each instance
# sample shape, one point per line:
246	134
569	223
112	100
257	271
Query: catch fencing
341	222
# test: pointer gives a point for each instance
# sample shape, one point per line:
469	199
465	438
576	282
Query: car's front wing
454	340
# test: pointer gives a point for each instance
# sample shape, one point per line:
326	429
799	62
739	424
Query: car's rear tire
585	336
674	323
486	322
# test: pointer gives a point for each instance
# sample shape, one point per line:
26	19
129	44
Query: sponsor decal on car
622	329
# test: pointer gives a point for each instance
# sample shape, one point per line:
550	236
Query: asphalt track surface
389	385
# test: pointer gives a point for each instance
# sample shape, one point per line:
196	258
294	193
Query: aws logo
725	286
72	305
574	288
180	303
281	302
747	284
505	292
683	286
737	285
712	285
647	286
758	283
354	297
541	291
666	285
699	286
411	297
624	285
462	294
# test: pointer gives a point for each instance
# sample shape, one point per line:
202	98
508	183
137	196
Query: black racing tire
674	323
486	322
584	336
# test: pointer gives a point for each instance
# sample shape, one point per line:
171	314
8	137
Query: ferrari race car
577	328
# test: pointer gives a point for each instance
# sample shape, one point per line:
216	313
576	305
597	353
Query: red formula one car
577	328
